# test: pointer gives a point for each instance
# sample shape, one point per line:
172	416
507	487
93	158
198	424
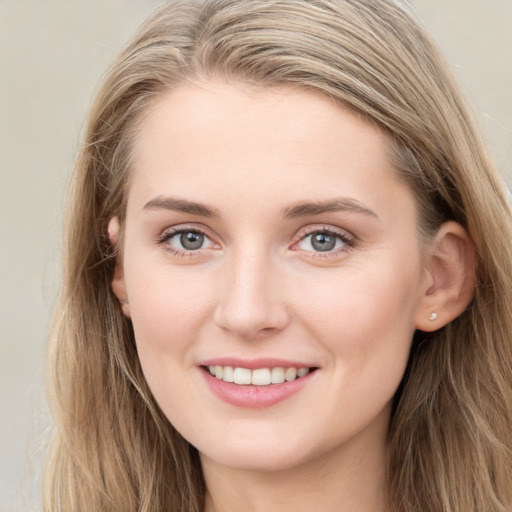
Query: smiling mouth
258	376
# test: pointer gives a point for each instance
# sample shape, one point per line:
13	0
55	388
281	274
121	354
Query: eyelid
322	228
179	228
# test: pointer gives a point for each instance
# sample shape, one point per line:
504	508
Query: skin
259	288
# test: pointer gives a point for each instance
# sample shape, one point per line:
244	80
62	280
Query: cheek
168	311
365	316
365	323
168	307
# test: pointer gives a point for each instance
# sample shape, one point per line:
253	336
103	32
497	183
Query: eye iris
323	242
191	240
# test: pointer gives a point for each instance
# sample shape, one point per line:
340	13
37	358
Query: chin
261	455
260	461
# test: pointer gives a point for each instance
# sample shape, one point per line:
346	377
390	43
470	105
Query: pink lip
251	396
253	364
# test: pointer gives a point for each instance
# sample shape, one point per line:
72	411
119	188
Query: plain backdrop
52	56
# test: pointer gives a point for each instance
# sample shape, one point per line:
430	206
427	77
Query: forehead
251	113
229	140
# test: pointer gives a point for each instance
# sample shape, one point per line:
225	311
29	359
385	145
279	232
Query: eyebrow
301	209
340	204
182	205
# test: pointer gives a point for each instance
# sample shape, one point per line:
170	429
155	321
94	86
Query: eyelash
349	242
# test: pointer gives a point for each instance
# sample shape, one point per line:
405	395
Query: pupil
323	242
191	240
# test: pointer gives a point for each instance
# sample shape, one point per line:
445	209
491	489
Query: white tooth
218	372
212	369
277	375
302	372
242	376
261	377
290	374
227	375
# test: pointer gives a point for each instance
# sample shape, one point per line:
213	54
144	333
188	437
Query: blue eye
186	240
323	241
191	240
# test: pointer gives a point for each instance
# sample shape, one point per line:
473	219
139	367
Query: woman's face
266	235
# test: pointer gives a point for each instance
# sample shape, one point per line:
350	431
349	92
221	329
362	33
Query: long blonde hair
450	437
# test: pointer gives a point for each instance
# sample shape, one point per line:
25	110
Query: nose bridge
250	303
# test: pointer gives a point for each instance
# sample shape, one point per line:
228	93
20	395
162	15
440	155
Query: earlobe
118	282
450	286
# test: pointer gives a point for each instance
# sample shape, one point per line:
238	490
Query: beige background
52	55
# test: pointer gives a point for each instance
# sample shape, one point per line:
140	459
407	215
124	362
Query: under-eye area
259	376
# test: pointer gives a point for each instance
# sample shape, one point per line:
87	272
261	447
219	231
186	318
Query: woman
287	274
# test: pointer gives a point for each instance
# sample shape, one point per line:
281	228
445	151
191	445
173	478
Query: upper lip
253	364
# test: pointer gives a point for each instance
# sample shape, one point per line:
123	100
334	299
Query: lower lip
255	396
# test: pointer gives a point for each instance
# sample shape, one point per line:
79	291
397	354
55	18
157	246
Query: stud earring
124	301
433	316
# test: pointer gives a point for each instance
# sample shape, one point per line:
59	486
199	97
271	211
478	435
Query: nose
251	303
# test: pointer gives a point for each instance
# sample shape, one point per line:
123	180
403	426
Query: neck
351	478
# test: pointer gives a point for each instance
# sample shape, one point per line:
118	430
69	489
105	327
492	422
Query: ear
118	282
450	278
